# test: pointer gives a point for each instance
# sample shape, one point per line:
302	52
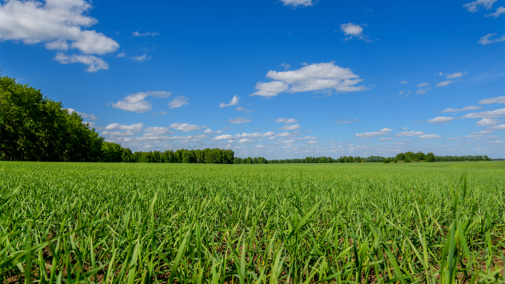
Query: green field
292	223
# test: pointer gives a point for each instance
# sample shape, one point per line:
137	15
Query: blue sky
278	79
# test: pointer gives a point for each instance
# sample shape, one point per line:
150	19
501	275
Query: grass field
191	223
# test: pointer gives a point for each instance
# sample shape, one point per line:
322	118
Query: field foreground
338	223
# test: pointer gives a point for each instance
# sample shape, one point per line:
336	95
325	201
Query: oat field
178	223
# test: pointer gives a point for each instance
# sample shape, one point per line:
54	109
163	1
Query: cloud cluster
314	77
286	120
186	127
82	114
346	121
497	100
441	119
486	114
290	127
134	127
488	122
384	131
485	40
136	102
137	34
239	120
475	5
178	102
409	133
462	109
61	25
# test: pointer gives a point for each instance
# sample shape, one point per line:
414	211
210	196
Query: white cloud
290	127
222	137
486	114
94	63
59	23
409	133
474	6
420	92
497	127
455	75
238	120
497	100
351	30
401	93
239	108
122	54
158	130
82	114
208	131
135	33
245	140
423	84
312	142
134	127
485	39
118	133
386	139
462	109
444	83
296	3
141	58
286	120
233	102
488	122
479	134
441	119
496	142
287	141
136	102
405	82
430	136
381	132
178	102
314	77
499	11
254	135
346	121
185	127
306	138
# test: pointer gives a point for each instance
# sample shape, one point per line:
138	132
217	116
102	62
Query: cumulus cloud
136	102
311	142
238	120
485	39
430	136
386	139
239	108
141	58
296	3
233	102
135	33
178	102
346	121
59	23
499	11
122	54
94	63
486	114
475	5
245	140
444	83
186	127
409	133
82	114
134	127
441	119
497	127
286	120
420	92
314	77
158	130
462	109
208	131
497	100
423	84
488	122
353	31
455	75
383	131
290	127
222	137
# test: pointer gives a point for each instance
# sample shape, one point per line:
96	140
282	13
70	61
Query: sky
271	78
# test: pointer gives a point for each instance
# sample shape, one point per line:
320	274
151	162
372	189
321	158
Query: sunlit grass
341	223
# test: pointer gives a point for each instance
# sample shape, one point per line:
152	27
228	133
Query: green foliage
187	223
35	128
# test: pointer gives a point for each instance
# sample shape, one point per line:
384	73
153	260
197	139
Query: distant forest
36	128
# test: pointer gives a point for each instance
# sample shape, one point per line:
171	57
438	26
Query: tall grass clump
165	223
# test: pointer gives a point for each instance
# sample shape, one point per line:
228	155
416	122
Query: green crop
176	223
